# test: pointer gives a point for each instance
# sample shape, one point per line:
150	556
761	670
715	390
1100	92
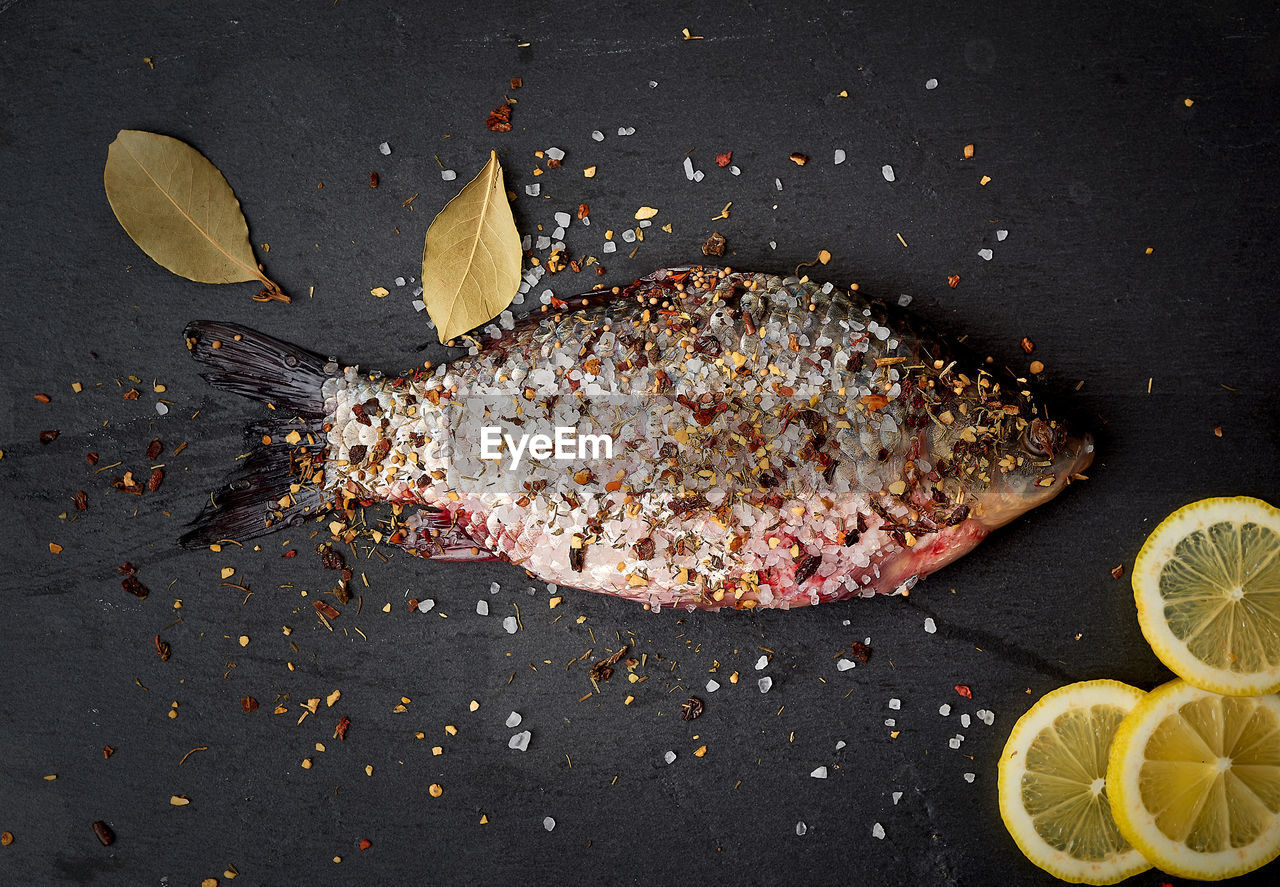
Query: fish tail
278	484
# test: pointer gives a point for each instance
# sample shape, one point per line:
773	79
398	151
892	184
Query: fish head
1032	464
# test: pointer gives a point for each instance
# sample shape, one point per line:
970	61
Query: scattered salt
929	626
533	190
1001	234
986	254
520	742
419	305
626	130
609	246
964	720
890	722
987	717
897	796
931	83
514	719
765	683
844	664
425	606
558	234
697	176
448	175
895	704
548	823
712	686
773	244
653	84
688	168
734	169
669	757
820	773
563	219
777	183
597	135
162	409
968	777
954	742
762	662
801	828
482	607
840	743
944	709
510	624
839	156
555	153
399	281
542	242
629	236
384	148
877	831
887	172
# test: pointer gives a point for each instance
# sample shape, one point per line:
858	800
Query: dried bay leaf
471	258
181	211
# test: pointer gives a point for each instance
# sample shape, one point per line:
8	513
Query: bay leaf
179	208
471	257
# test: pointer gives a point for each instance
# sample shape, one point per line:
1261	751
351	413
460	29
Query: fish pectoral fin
439	536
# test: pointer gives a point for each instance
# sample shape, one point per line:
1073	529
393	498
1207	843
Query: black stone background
1078	116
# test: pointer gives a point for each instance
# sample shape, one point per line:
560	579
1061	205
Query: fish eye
1032	444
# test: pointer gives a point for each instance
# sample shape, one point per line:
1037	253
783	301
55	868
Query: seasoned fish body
774	443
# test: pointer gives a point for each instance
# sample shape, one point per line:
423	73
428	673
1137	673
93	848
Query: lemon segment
1194	779
1207	586
1052	784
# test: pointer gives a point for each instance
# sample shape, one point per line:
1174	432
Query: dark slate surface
1078	117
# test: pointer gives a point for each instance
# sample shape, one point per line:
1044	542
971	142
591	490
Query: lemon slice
1195	781
1053	789
1207	585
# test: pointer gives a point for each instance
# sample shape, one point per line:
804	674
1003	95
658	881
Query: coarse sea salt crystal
931	83
626	130
877	831
944	709
698	176
384	148
762	662
840	743
542	242
563	219
887	172
520	741
419	305
629	236
929	625
424	606
839	156
669	757
609	246
533	190
819	773
448	175
555	153
845	664
735	170
777	183
986	254
969	777
548	823
482	607
895	704
954	742
964	720
904	300
514	719
653	84
510	624
417	290
162	409
688	168
773	244
890	722
765	683
399	281
597	135
801	828
1001	234
712	686
558	234
897	796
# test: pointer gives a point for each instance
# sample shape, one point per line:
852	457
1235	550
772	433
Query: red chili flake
292	552
365	843
341	730
326	609
81	499
583	211
134	587
380	450
723	160
126	569
92	458
153	482
373	180
413	604
860	651
500	119
131	394
953	280
154	449
47	437
1117	571
964	691
249	704
43	398
554	164
162	648
104	833
107	751
1027	345
517	82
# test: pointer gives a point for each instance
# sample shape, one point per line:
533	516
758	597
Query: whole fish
730	439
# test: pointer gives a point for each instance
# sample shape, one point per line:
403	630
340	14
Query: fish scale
775	443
